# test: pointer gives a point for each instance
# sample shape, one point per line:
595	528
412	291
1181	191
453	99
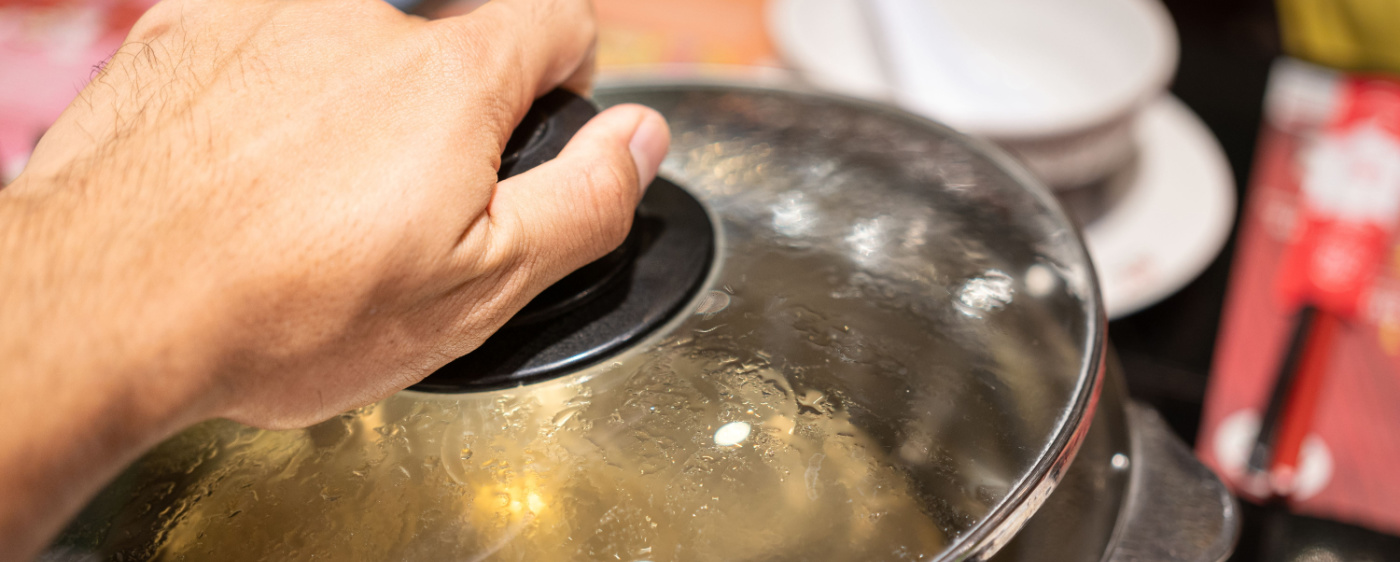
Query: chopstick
1273	460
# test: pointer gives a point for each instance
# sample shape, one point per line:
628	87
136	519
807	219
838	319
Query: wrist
95	370
85	298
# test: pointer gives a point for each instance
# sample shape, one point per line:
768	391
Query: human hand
312	183
277	210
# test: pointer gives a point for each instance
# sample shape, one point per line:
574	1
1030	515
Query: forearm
60	447
84	388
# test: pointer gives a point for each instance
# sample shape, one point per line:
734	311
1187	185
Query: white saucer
1172	222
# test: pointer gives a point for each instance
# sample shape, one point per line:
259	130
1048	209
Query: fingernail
648	146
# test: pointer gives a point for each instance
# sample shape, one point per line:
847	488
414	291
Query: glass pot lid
892	356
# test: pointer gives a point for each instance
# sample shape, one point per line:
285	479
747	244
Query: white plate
1175	217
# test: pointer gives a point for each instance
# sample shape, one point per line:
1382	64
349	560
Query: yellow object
1344	34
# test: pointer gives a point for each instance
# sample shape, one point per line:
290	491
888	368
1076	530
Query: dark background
1166	350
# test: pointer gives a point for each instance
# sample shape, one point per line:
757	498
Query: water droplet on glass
812	401
811	475
466	453
712	303
732	433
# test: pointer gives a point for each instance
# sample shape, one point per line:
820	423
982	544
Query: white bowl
1056	81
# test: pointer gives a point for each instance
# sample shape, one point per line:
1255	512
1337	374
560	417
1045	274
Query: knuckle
378	8
486	40
505	251
155	22
502	256
464	39
502	111
357	11
582	18
480	70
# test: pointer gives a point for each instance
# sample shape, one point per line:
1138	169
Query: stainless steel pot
894	350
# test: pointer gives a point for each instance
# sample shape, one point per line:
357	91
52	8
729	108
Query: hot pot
837	332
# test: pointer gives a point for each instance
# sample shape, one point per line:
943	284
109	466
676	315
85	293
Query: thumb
574	209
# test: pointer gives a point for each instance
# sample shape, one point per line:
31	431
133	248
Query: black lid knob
605	306
539	138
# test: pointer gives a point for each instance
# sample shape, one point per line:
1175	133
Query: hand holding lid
601	308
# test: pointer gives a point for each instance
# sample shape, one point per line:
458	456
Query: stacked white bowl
1057	82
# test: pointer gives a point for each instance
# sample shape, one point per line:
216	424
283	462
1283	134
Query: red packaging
1319	229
